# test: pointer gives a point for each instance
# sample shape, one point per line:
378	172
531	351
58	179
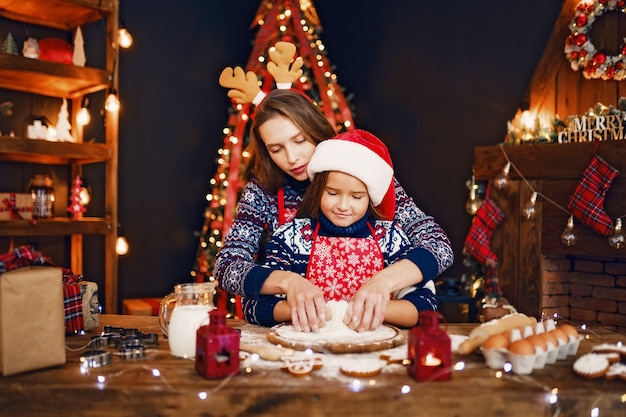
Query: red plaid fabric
492	286
477	242
24	256
587	201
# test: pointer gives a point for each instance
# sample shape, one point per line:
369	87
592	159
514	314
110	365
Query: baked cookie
616	371
591	366
362	368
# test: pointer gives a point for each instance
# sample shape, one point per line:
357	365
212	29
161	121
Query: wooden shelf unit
73	83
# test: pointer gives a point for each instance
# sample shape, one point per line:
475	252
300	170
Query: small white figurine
31	48
63	126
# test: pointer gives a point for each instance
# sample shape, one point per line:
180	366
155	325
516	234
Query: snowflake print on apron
340	265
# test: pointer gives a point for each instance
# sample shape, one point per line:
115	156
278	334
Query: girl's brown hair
310	205
303	113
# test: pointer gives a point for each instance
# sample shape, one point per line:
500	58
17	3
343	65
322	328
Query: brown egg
569	330
522	347
560	336
538	341
496	341
550	338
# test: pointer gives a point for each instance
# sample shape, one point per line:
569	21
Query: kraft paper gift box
22	204
32	320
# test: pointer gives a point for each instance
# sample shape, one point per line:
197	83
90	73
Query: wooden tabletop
161	385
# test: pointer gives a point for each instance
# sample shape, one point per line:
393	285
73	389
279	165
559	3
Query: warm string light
121	244
474	202
568	237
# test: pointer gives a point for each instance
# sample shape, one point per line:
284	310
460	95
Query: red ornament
581	20
599	58
610	72
580	39
620	4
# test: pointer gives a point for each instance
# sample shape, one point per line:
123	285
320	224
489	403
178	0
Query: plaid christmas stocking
587	201
487	218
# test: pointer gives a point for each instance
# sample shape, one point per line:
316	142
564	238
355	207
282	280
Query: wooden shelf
59	14
53	79
50	78
55	153
57	226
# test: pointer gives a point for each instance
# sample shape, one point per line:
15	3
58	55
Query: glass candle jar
43	196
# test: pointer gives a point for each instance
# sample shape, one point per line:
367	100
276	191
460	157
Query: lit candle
431	360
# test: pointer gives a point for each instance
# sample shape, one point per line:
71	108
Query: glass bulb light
112	103
529	211
473	203
83	117
85	198
616	240
124	38
121	245
568	238
501	180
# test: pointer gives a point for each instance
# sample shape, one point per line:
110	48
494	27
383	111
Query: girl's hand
308	307
368	306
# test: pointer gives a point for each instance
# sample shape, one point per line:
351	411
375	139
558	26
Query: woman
285	131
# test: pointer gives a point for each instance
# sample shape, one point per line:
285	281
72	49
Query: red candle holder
429	350
217	348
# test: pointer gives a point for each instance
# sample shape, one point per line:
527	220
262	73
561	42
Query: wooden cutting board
391	339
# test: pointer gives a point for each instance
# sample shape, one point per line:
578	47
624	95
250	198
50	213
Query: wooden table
134	388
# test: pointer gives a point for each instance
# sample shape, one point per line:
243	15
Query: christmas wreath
581	52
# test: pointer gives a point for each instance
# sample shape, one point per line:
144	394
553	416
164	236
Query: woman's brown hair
303	113
310	205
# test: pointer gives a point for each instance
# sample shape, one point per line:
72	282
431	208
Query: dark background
433	79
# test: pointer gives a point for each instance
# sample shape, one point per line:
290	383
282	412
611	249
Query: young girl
285	131
339	239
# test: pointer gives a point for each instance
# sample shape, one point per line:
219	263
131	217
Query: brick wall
585	290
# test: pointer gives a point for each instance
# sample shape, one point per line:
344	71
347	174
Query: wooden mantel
553	170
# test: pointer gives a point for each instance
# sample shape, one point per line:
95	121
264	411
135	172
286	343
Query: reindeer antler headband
244	87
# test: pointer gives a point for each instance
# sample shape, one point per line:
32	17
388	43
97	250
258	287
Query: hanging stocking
587	201
487	218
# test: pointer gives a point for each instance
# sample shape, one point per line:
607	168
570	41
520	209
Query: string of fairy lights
568	237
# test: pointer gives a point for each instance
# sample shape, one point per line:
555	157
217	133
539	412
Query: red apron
340	265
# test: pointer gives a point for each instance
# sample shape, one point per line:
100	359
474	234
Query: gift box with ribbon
80	297
16	206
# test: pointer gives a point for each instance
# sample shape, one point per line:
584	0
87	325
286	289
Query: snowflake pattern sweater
290	249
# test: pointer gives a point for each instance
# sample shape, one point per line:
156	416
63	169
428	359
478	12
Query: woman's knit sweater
237	272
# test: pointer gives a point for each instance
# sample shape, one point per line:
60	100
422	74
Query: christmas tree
9	46
277	20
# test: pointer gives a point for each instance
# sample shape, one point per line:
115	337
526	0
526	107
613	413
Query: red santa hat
364	156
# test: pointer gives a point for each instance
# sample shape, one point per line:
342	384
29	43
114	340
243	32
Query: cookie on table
362	368
591	366
617	370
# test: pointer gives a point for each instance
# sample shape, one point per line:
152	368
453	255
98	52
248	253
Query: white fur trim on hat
354	159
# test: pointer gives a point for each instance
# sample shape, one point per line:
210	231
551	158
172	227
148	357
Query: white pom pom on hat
362	155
